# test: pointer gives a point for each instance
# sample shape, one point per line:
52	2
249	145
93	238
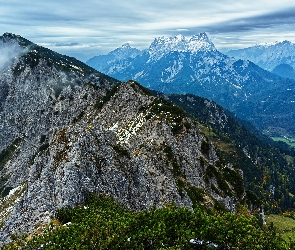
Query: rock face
67	131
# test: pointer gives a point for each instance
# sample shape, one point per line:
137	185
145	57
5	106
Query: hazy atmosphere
97	27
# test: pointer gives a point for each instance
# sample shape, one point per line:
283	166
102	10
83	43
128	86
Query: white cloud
7	53
100	26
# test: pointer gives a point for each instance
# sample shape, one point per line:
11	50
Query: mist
8	53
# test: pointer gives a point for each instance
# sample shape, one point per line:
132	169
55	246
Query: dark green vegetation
5	156
284	224
121	151
170	112
264	164
100	102
103	224
7	153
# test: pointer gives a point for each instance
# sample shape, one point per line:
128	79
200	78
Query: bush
104	224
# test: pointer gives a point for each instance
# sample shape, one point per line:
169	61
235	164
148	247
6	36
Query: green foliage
136	86
7	153
213	172
195	194
176	168
235	179
205	147
100	102
78	117
43	147
4	191
42	138
103	224
170	112
121	151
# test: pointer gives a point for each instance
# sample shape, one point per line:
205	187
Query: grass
290	141
285	226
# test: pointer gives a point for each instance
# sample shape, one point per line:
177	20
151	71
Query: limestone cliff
67	131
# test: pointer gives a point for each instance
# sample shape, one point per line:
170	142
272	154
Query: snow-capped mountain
268	56
193	65
164	45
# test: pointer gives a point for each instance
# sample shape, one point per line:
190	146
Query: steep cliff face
121	150
66	133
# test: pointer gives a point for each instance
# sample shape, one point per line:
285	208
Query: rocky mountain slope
240	143
193	65
68	130
284	70
114	59
267	56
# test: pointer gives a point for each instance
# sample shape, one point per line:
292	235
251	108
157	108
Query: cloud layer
96	27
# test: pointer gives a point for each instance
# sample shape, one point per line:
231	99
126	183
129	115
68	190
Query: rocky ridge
67	131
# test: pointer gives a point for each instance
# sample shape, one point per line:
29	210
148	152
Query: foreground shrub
104	224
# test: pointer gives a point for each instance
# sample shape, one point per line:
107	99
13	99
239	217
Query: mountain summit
164	45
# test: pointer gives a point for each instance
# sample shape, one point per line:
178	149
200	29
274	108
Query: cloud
98	27
8	52
261	21
65	44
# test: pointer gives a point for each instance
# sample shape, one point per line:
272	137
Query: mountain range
193	65
267	56
68	131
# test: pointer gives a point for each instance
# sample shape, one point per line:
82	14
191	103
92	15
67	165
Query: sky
94	27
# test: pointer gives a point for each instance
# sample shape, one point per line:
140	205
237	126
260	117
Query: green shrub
121	151
205	147
44	147
104	224
7	153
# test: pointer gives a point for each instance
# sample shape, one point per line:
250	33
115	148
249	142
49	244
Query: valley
289	140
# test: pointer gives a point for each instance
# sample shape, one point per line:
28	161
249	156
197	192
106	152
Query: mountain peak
125	51
126	46
180	43
16	39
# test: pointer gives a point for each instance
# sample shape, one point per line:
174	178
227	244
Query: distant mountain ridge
163	45
284	70
115	59
267	56
193	65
